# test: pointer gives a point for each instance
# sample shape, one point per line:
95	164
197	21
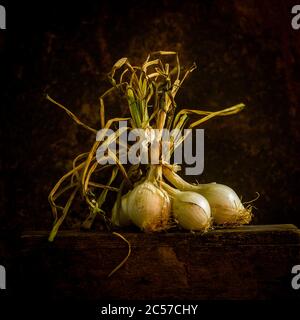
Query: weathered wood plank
272	234
250	262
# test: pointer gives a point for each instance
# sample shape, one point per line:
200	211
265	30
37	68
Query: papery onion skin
149	207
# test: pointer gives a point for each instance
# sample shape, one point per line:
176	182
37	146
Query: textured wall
246	51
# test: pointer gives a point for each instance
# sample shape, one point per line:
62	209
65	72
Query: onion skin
149	207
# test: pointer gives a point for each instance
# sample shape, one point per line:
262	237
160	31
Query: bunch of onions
148	93
226	206
190	209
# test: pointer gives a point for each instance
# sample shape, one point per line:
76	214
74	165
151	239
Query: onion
149	207
190	209
120	217
226	206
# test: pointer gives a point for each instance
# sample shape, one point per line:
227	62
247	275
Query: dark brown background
246	51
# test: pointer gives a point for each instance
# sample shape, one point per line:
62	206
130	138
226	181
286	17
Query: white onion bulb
191	210
226	206
149	207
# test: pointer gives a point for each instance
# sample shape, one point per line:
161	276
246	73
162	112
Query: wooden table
249	262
